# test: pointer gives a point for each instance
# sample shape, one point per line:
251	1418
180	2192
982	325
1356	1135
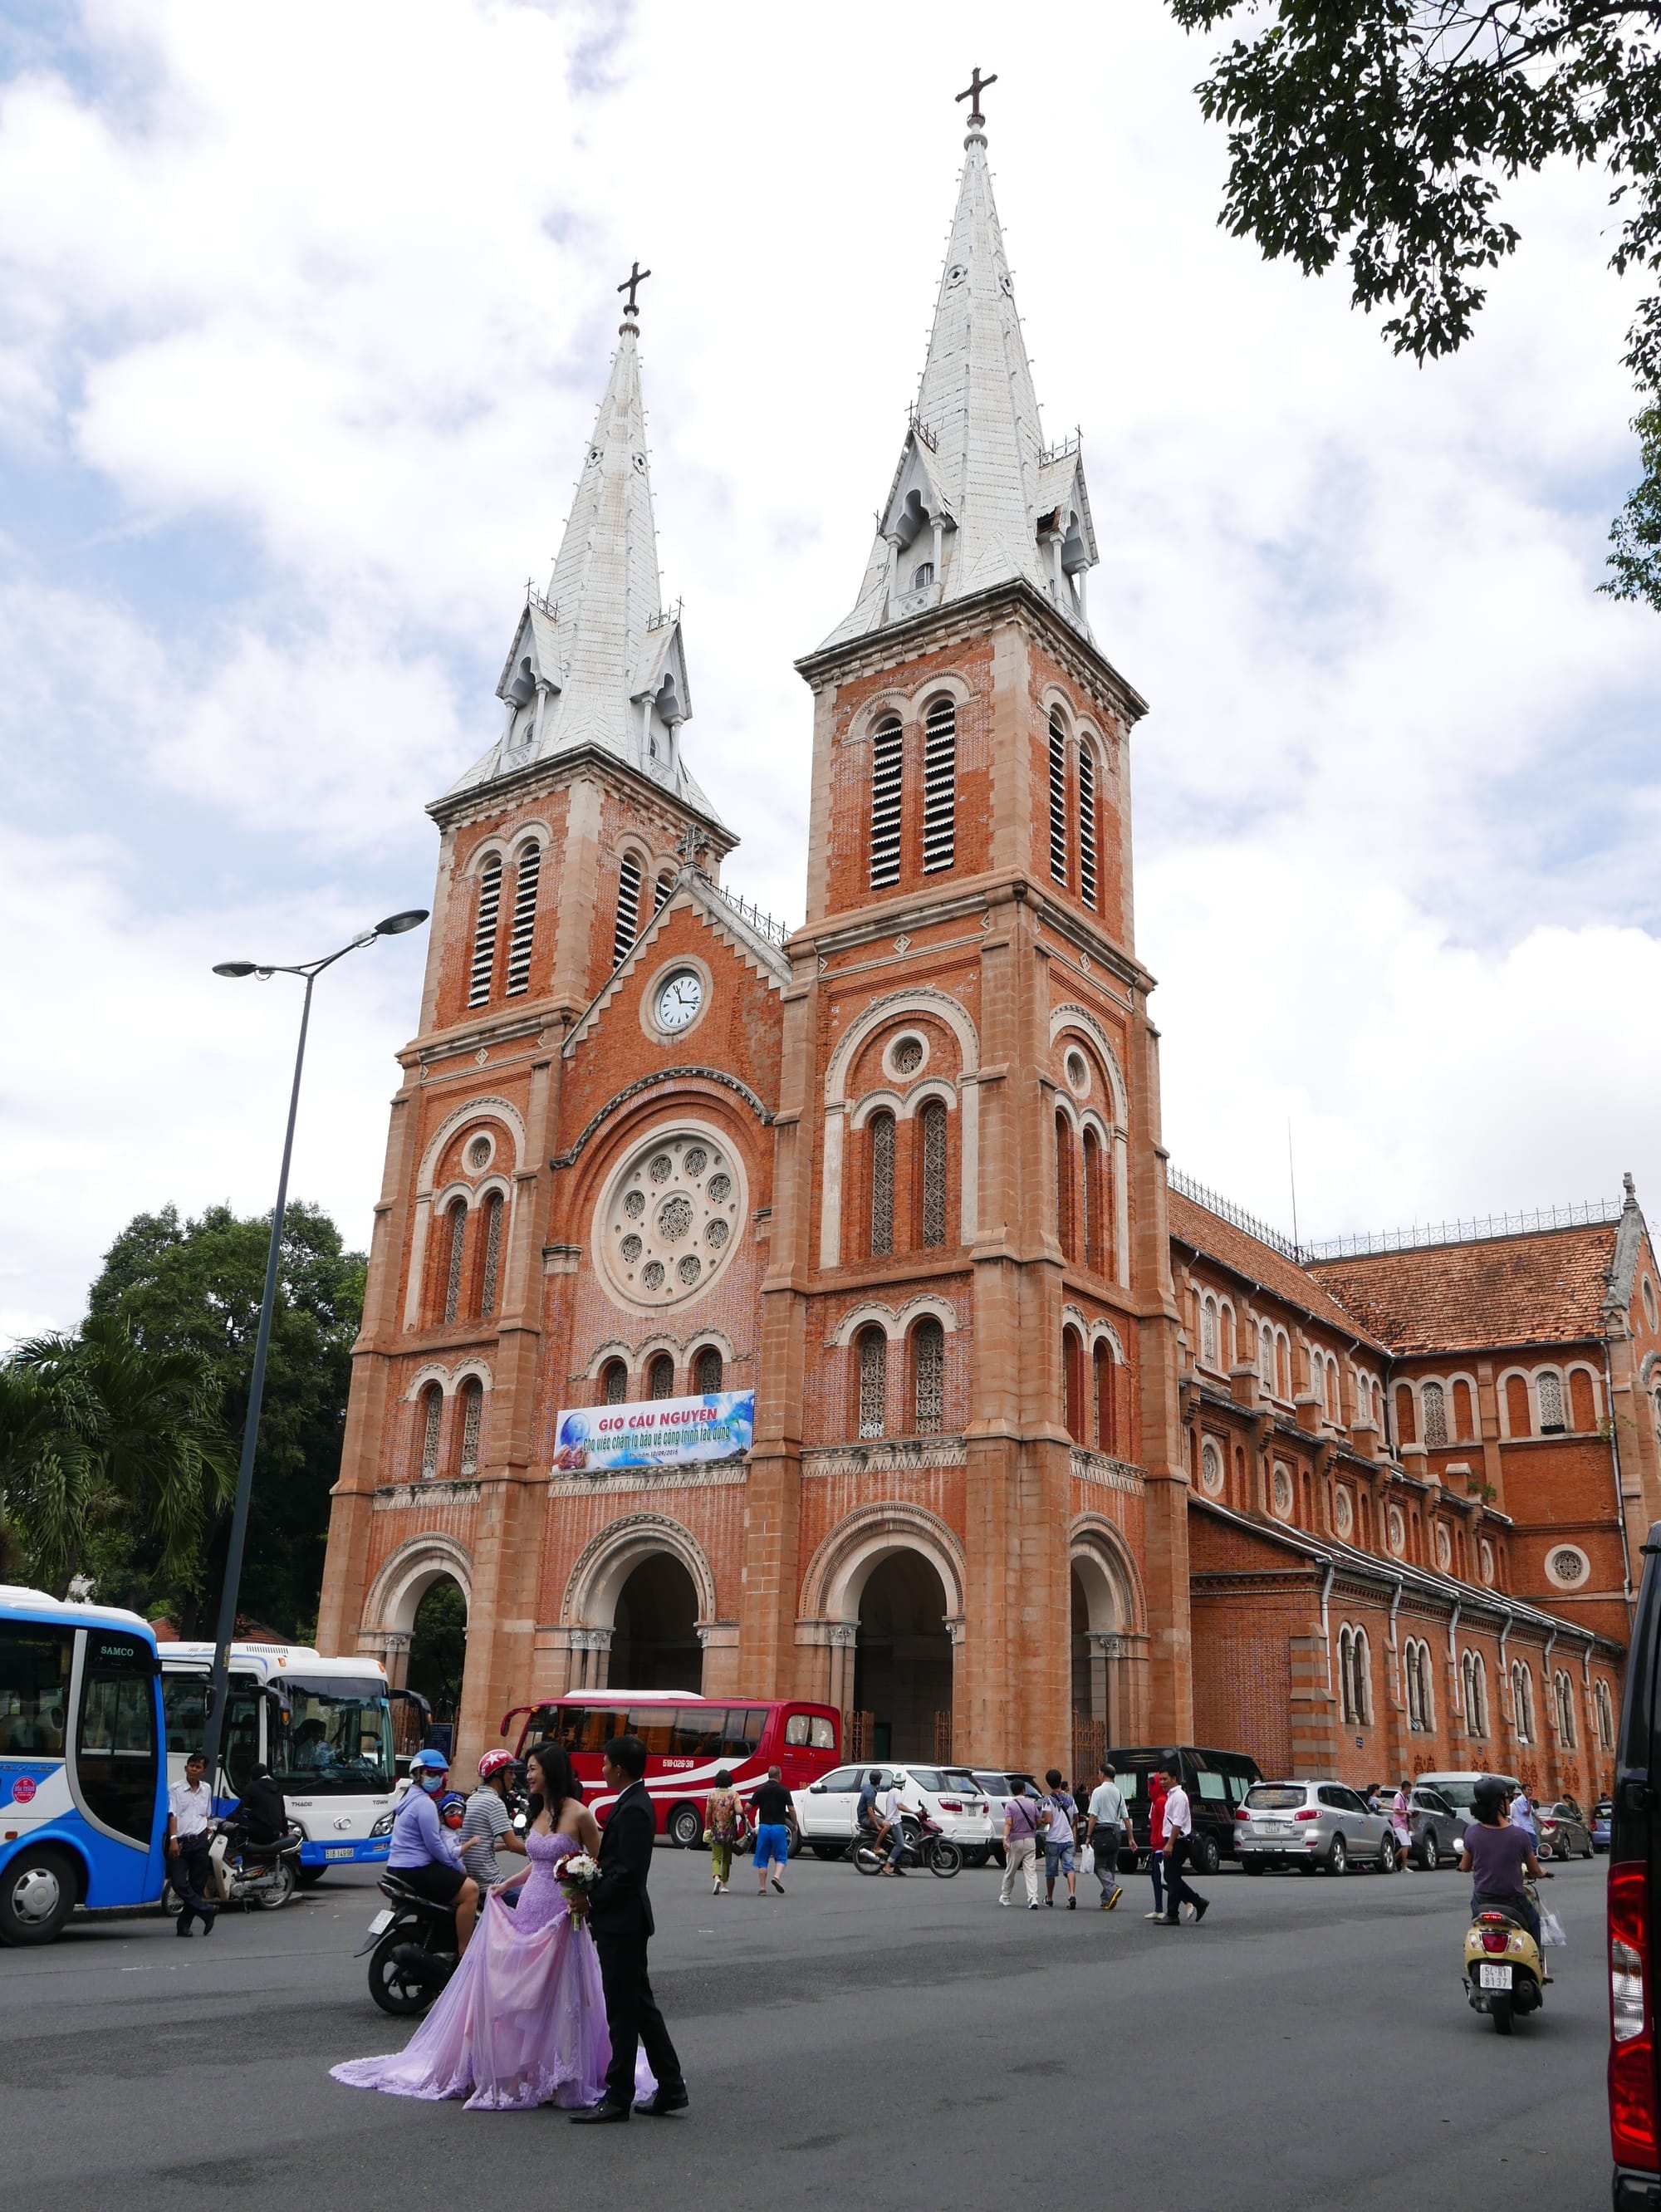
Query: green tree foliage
1386	131
195	1287
103	1437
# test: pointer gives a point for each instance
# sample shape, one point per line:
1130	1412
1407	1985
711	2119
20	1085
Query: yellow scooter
1505	1973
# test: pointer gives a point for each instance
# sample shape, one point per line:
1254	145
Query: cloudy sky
303	314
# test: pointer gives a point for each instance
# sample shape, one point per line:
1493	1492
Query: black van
1634	1892
1215	1781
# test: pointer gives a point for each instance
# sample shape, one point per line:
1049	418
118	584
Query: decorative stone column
718	1640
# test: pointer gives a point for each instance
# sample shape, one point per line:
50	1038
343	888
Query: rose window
667	1226
1567	1565
908	1056
478	1154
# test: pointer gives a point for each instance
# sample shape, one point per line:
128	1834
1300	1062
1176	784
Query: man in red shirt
1156	1842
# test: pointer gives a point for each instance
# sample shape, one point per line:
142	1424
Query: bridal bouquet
578	1875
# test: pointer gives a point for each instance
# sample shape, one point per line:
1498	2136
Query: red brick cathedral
1049	1448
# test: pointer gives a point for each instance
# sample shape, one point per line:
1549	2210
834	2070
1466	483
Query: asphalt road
853	2042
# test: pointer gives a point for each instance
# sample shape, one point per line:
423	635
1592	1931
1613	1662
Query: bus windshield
35	1689
336	1739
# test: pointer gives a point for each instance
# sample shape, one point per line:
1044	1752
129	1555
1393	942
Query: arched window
1106	1375
928	1376
1072	1367
1209	1330
933	1118
661	890
1476	1674
432	1415
1464	1420
706	1371
1407	1424
1605	1713
457	1217
614	1382
629	908
484	932
1415	1719
1522	1701
1091	1240
528	876
1332	1389
1433	1399
1346	1674
1057	799
472	1411
888	756
1565	1690
1583	1409
493	1253
660	1377
922	575
871	1354
939	785
1362	1661
1549	1388
882	1141
1066	1228
1087	825
1266	1357
1283	1362
1519	1420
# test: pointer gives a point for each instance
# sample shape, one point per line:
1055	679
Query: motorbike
926	1844
246	1872
1505	1971
412	1949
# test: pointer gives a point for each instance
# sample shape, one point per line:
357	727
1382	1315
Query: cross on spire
631	284
972	91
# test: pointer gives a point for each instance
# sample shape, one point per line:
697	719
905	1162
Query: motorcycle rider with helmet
1498	1855
425	1856
488	1826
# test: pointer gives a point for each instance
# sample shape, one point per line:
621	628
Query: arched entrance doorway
438	1653
654	1641
902	1671
416	1616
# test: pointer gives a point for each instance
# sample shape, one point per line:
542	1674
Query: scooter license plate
383	1921
1493	1977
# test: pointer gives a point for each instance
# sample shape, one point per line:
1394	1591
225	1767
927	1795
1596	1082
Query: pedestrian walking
770	1806
1402	1824
1521	1816
1021	1827
1104	1833
1156	1788
724	1831
1178	1837
1060	1812
190	1807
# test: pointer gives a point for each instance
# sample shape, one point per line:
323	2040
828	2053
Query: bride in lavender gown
522	2021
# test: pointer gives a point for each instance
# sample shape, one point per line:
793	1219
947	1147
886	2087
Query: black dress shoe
665	2100
594	2116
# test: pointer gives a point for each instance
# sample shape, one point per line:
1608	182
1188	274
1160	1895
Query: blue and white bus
323	1726
83	1784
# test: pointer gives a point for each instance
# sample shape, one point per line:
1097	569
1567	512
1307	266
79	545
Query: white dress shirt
1179	1820
191	1809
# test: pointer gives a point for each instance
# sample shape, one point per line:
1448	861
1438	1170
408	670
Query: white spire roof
597	661
976	498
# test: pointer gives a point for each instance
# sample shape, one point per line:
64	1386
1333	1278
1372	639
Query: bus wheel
38	1893
686	1828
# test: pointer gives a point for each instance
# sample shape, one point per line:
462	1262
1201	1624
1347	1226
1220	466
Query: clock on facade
680	998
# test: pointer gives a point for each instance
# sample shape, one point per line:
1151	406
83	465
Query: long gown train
522	2021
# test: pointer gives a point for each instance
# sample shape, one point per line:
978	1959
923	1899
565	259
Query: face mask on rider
431	1784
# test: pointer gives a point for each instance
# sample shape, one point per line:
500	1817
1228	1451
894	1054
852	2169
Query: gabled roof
1545	1288
1244	1254
692	889
972	459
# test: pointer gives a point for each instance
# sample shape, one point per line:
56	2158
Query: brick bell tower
969	931
555	849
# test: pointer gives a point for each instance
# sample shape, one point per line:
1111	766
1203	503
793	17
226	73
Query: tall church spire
976	499
596	660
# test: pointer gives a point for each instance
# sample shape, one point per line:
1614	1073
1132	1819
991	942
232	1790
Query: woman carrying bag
724	1831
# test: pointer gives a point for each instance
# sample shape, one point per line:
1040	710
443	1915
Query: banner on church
655	1432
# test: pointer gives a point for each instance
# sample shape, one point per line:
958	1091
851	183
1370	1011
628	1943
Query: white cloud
339	283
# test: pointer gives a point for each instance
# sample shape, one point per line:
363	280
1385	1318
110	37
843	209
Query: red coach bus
688	1741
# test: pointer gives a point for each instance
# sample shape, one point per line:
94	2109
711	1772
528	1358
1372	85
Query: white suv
827	1809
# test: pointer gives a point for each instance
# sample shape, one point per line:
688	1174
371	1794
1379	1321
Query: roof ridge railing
747	911
1591	1214
1225	1210
533	598
924	432
671	613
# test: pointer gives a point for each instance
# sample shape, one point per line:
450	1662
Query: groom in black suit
619	1915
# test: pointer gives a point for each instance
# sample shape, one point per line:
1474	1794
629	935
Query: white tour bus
323	1726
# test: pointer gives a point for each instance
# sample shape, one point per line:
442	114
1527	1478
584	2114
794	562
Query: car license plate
1271	1828
341	1851
381	1921
1494	1977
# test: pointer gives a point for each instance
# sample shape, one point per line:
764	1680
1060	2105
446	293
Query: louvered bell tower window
887	756
629	908
939	787
484	933
1057	801
525	919
1086	826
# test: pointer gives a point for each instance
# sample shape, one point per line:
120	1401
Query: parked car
1216	1782
1436	1827
1311	1824
1601	1819
1564	1832
999	1787
825	1810
1458	1785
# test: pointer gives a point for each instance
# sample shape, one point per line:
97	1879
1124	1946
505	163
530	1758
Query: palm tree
94	1428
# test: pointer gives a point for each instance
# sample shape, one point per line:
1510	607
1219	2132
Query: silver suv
1311	1824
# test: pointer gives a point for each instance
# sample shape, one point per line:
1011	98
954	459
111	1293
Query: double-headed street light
394	926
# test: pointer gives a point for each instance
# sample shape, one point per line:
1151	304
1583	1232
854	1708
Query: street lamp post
394	926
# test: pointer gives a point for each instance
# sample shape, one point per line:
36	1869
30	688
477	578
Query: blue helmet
432	1762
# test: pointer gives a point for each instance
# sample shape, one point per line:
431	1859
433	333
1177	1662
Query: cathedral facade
1048	1449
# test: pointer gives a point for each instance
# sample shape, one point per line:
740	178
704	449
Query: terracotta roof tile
1261	1263
1547	1288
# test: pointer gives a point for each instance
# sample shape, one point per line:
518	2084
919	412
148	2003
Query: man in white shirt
190	1809
1178	1840
1106	1834
891	1833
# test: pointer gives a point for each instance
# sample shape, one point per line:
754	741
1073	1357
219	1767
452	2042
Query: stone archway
654	1629
902	1658
396	1594
636	1606
1109	1642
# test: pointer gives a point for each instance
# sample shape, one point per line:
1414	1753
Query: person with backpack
1058	1837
